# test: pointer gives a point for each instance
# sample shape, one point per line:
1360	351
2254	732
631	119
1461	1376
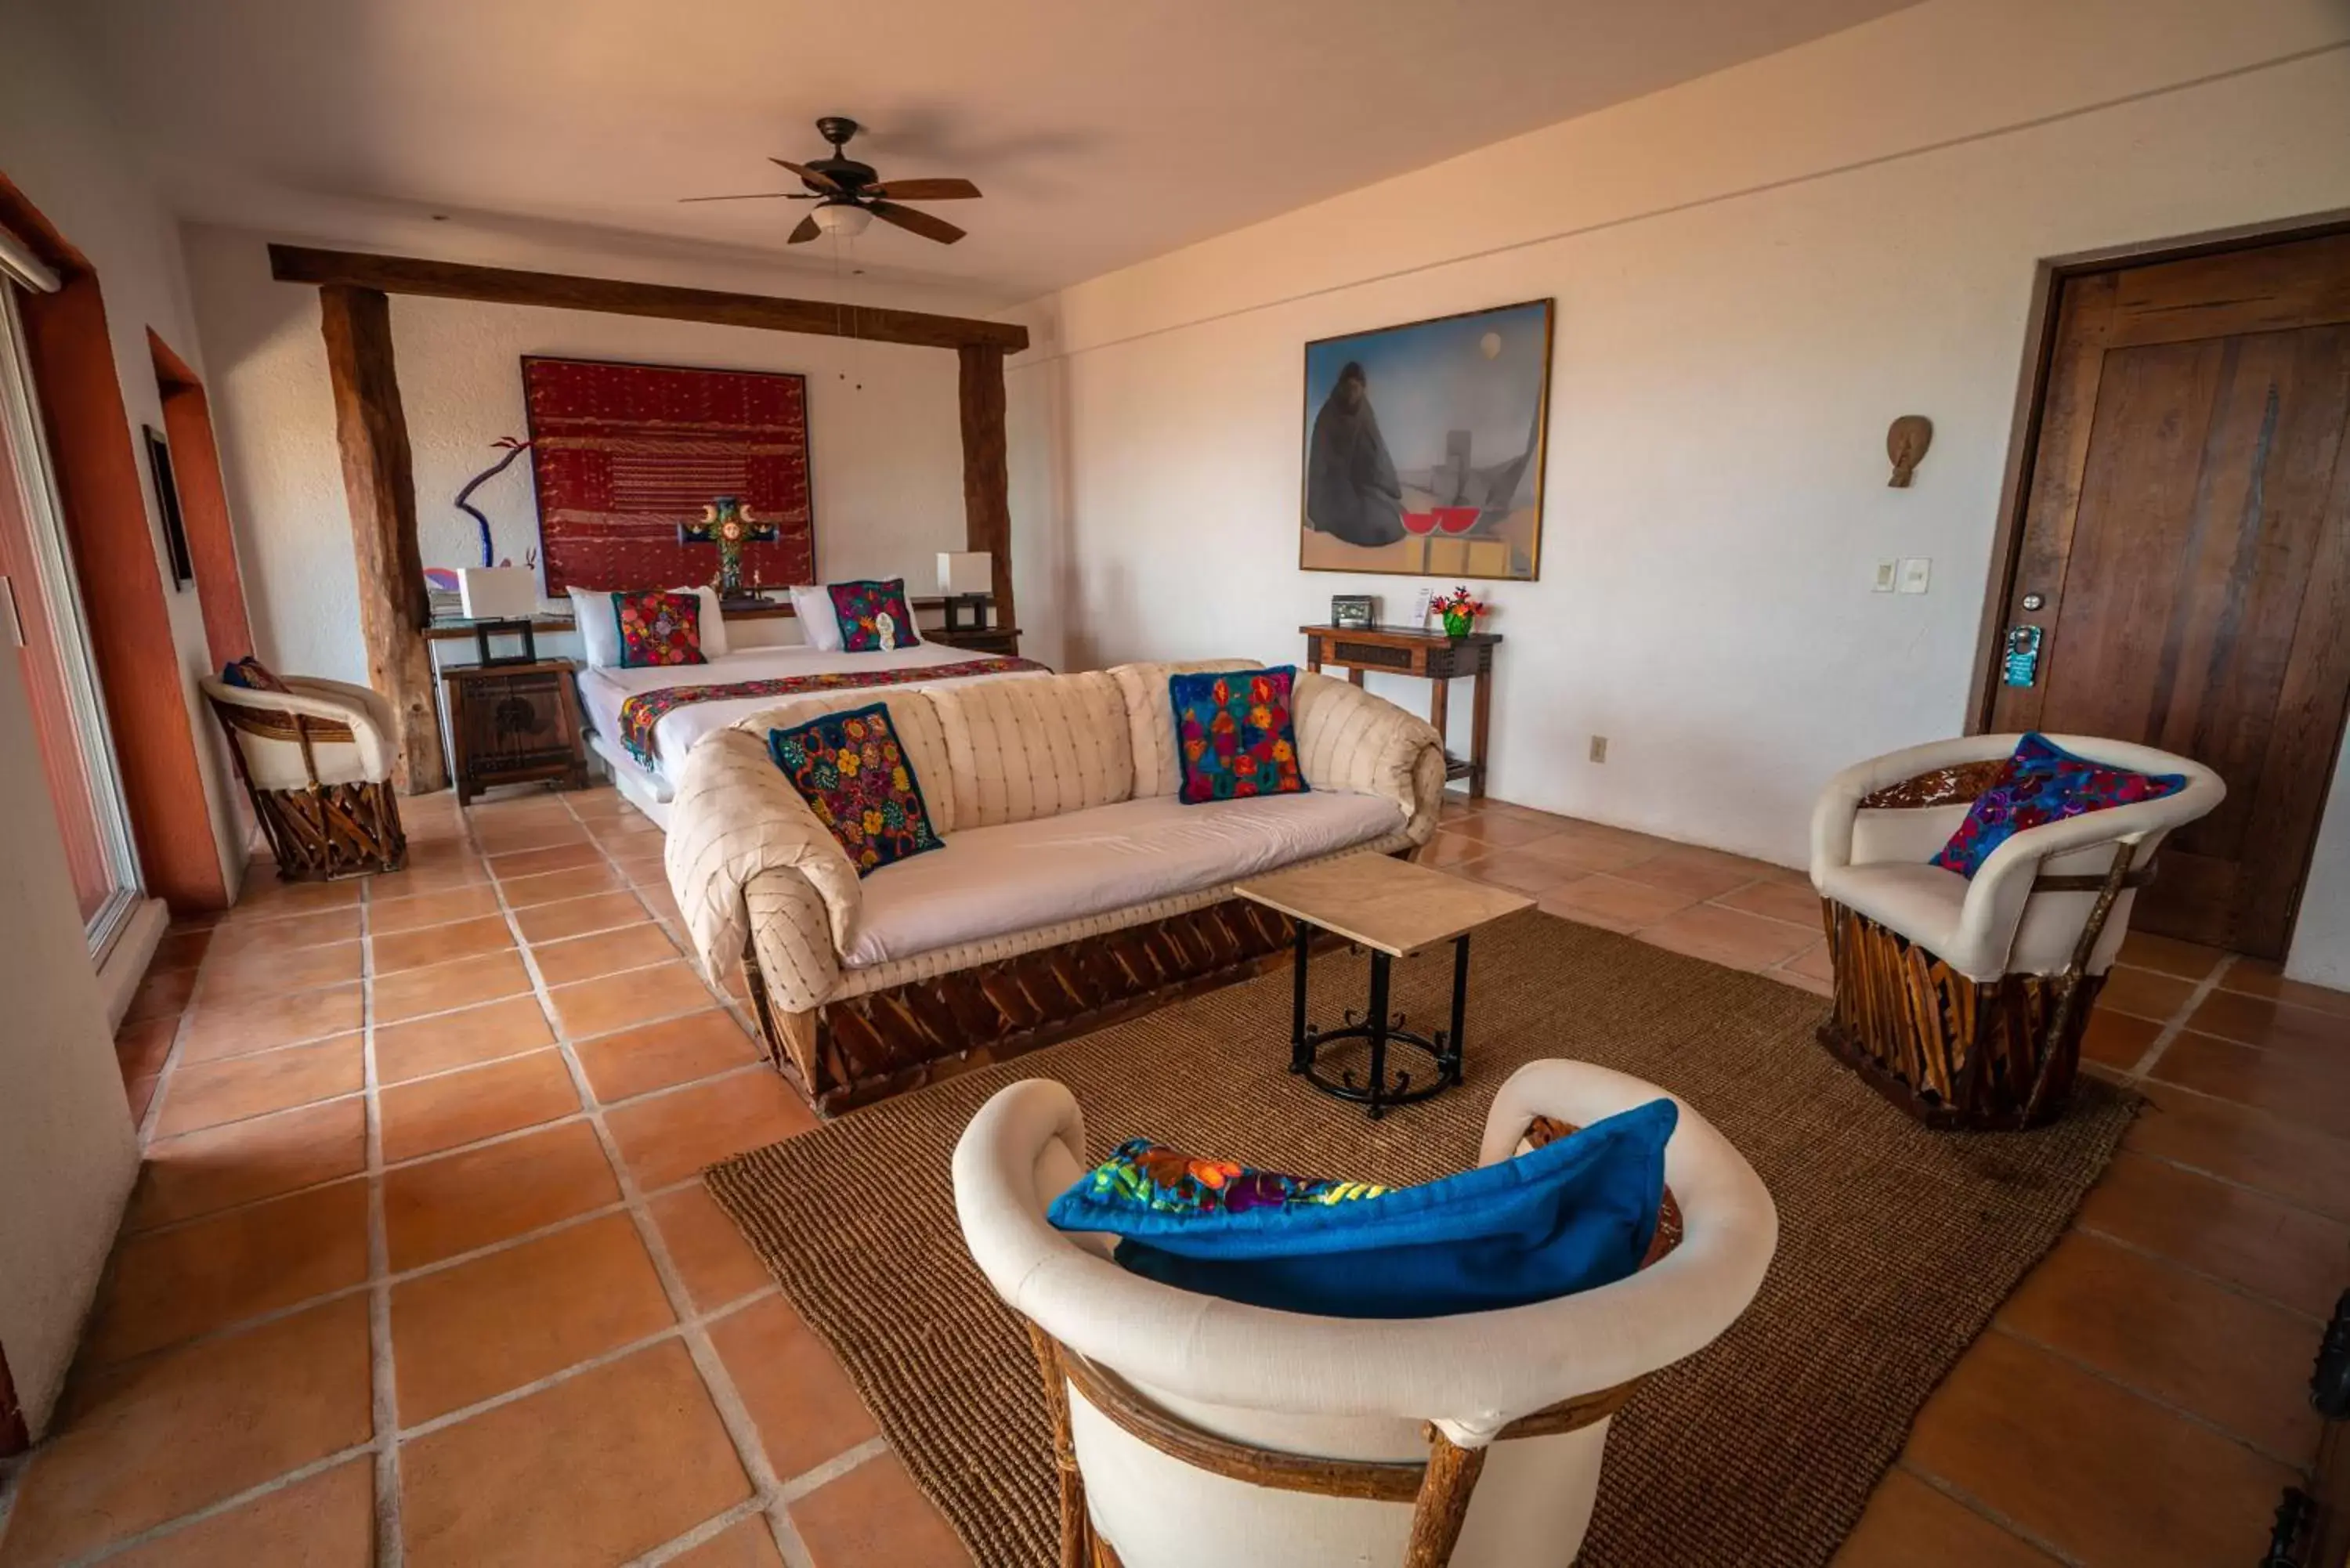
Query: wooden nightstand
1002	639
513	724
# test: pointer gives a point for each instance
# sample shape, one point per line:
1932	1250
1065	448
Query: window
53	657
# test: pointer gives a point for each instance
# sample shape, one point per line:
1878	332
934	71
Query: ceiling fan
848	195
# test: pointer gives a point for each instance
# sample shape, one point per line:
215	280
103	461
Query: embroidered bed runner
640	715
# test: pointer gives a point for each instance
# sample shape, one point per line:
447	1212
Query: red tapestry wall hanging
624	454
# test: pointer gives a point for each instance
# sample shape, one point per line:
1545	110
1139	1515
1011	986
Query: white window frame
60	591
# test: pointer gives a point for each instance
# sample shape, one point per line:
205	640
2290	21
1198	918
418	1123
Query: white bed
603	692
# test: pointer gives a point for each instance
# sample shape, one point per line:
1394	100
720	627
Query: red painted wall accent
102	492
204	505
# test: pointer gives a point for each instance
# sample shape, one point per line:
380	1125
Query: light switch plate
1598	748
1916	572
1886	571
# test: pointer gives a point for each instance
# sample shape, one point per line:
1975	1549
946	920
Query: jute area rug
1896	1243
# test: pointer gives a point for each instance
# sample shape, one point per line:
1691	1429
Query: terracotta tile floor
419	1268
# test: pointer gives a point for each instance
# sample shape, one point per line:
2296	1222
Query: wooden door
2185	535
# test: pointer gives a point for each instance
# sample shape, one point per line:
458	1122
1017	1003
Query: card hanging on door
2022	664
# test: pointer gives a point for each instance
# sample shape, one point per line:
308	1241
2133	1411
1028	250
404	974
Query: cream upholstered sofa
317	760
1073	887
1194	1431
1963	999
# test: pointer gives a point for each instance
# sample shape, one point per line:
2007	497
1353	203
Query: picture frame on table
1354	612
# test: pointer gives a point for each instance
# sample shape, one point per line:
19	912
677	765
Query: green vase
1459	624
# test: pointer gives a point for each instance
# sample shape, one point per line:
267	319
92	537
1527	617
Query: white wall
1754	272
885	448
57	143
67	1155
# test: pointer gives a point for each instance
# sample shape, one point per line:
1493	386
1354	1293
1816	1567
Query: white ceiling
1103	131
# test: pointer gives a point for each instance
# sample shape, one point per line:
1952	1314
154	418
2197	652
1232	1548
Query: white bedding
992	881
602	692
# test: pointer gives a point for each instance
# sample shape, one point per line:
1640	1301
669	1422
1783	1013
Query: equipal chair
316	759
1191	1430
1963	1000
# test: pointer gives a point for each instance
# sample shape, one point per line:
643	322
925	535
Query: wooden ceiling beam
560	291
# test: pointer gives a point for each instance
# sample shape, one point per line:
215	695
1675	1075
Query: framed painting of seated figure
1423	447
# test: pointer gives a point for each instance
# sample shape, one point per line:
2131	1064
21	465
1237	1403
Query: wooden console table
1434	657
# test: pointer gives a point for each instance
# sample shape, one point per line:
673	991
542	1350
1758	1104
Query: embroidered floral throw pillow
853	775
2043	783
1235	733
873	616
659	629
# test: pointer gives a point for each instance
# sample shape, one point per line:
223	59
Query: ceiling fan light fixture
845	219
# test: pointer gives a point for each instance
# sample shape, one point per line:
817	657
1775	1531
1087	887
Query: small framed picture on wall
167	503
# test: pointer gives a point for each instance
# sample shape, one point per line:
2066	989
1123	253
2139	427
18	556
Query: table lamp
967	580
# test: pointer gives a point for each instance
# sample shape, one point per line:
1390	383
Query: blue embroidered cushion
250	674
1234	734
873	614
1576	1214
853	775
2043	783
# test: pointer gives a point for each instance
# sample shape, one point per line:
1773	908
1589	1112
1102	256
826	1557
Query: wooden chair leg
1078	1547
1443	1503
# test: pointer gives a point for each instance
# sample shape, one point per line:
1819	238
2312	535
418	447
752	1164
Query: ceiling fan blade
805	233
922	224
749	196
815	177
926	191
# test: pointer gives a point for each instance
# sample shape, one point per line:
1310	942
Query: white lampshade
843	218
966	572
498	593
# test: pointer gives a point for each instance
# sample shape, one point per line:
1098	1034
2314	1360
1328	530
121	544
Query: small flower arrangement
1460	609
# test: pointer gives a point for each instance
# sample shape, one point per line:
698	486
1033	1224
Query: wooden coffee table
1395	908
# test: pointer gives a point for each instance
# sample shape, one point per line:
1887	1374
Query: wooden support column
378	479
986	474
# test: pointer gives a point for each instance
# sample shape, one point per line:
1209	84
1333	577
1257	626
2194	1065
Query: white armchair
317	760
1963	1000
1191	1429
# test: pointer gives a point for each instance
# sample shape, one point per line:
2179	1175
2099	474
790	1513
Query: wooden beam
986	476
378	479
560	291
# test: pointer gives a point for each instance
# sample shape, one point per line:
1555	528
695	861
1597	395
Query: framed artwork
1424	447
624	454
167	505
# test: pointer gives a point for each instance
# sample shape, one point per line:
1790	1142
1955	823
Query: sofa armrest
737	821
1348	738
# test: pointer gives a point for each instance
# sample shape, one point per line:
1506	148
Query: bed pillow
1235	738
1576	1214
853	773
860	608
819	622
2043	783
599	626
660	628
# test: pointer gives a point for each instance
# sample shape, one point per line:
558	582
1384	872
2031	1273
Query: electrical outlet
1916	572
1598	748
1886	571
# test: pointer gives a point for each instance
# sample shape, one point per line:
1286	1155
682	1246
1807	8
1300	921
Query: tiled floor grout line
2232	1286
2192	1417
1979	1508
390	1543
228	1504
2153	1055
733	1414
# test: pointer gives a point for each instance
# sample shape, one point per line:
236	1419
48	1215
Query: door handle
2020	664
